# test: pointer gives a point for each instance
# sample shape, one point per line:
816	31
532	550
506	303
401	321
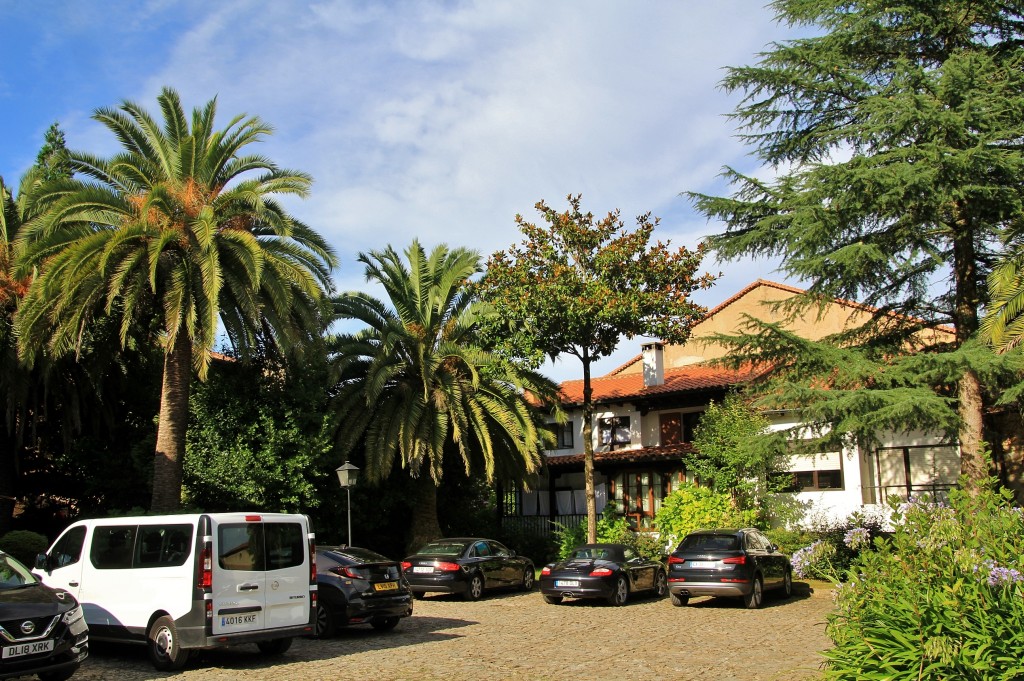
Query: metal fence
540	525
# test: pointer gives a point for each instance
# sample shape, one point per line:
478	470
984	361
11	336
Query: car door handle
248	587
72	583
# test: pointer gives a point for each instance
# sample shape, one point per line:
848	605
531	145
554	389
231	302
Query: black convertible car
608	571
466	565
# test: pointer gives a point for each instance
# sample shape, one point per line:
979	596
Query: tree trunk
974	462
424	513
588	450
171	428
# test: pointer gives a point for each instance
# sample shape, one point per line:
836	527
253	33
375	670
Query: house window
562	433
677	428
819	472
638	494
614	431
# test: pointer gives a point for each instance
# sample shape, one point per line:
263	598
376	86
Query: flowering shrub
815	561
942	598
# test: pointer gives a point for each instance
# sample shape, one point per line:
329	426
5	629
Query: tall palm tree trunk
424	513
170	433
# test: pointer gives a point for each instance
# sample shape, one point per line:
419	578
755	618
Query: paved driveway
518	636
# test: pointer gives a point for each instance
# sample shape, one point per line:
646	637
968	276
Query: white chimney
654	363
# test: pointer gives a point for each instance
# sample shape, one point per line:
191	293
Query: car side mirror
42	562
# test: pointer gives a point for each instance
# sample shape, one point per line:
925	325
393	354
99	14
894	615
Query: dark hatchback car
358	586
741	563
608	571
42	630
467	566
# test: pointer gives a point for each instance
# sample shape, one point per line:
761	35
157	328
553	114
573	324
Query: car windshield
710	542
13	574
442	548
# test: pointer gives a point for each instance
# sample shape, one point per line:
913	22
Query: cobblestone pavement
518	636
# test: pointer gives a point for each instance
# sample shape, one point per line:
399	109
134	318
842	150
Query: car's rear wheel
527	583
475	589
756	595
621	593
661	585
679	600
553	600
324	626
787	584
385	623
165	651
275	646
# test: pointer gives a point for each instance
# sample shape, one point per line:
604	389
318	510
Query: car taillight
546	570
735	560
675	559
351	572
448	567
312	558
205	577
601	572
406	565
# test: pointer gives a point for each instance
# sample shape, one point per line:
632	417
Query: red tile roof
643	454
627	386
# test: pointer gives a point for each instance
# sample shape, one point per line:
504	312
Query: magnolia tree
577	284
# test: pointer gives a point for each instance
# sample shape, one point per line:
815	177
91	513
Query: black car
608	571
358	586
467	566
42	630
741	563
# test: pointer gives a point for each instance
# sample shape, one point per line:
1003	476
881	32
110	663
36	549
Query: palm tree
416	383
1003	324
174	234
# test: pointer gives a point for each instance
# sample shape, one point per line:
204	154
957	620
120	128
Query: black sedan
42	630
466	566
358	586
741	563
608	571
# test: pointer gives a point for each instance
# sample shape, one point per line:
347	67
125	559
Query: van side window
162	545
240	546
68	548
113	546
286	545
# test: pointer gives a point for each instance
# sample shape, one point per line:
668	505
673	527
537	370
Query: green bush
834	546
612	528
24	545
941	598
690	508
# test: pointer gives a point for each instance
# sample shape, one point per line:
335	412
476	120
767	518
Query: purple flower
857	538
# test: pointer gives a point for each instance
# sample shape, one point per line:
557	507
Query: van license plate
385	586
28	649
567	582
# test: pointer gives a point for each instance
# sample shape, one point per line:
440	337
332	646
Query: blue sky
432	120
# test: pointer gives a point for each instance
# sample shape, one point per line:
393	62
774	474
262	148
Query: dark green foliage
690	508
612	528
942	598
24	545
895	134
732	457
258	436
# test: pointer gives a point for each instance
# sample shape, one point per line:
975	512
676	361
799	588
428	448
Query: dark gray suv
741	563
42	630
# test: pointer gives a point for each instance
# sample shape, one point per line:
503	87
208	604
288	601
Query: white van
183	582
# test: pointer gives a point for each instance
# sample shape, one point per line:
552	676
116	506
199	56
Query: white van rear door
288	571
239	579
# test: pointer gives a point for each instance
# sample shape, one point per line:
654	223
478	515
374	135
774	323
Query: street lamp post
347	474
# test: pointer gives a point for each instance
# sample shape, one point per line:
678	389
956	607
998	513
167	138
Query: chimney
654	363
